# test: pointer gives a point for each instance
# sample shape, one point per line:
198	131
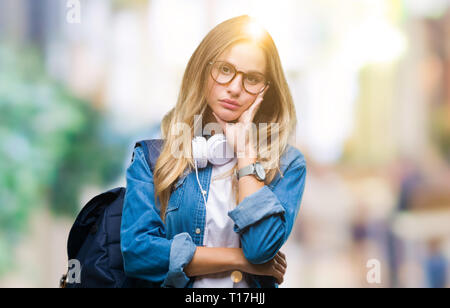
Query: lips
230	101
231	106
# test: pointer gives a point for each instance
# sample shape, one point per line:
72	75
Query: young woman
219	222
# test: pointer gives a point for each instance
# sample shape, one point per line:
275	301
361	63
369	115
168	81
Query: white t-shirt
219	226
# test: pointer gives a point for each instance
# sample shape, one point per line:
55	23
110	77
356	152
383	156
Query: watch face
260	172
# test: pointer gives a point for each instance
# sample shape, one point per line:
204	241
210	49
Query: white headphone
215	150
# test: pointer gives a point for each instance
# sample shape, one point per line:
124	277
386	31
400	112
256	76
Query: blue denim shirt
157	252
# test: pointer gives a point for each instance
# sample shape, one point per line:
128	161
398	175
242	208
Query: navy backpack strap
151	149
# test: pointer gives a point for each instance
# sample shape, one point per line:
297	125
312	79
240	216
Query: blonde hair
277	107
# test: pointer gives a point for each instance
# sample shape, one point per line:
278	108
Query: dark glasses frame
236	72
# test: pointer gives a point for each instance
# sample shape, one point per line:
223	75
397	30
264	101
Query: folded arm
265	217
210	260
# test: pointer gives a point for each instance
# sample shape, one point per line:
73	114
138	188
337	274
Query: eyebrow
253	71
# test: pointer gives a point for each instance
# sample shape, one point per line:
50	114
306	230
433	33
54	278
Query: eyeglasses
223	73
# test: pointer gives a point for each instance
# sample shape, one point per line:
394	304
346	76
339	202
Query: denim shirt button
198	231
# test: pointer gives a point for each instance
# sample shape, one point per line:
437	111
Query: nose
235	86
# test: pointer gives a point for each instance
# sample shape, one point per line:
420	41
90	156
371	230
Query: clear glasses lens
223	73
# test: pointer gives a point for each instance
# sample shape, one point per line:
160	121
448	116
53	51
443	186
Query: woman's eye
253	79
226	69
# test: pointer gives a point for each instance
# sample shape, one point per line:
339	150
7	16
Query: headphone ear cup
219	152
199	151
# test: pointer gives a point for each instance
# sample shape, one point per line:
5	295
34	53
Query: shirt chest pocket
177	194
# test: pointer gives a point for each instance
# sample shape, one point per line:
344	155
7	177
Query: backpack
93	246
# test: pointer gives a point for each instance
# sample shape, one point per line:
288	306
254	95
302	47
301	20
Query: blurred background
371	85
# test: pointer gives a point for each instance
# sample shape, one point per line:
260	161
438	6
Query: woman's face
245	57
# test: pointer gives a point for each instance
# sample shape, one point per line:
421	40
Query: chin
228	115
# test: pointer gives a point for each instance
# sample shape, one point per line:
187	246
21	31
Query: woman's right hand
275	267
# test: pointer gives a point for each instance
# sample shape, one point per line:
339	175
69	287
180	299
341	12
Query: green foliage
52	145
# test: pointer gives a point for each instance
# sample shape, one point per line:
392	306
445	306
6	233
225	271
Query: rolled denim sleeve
147	253
181	253
247	214
265	218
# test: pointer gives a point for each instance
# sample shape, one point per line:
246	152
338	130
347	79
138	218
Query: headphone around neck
214	150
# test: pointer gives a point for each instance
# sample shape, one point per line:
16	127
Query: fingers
279	266
254	107
281	258
261	95
279	276
281	262
260	98
276	271
248	115
275	268
265	90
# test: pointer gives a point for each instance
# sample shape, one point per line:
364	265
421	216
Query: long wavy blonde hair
277	107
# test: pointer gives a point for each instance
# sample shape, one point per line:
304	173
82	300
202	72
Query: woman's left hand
242	129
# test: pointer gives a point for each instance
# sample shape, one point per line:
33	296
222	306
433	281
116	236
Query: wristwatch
255	169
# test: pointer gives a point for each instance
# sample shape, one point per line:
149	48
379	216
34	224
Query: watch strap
247	170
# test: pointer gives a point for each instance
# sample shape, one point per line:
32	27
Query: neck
208	117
